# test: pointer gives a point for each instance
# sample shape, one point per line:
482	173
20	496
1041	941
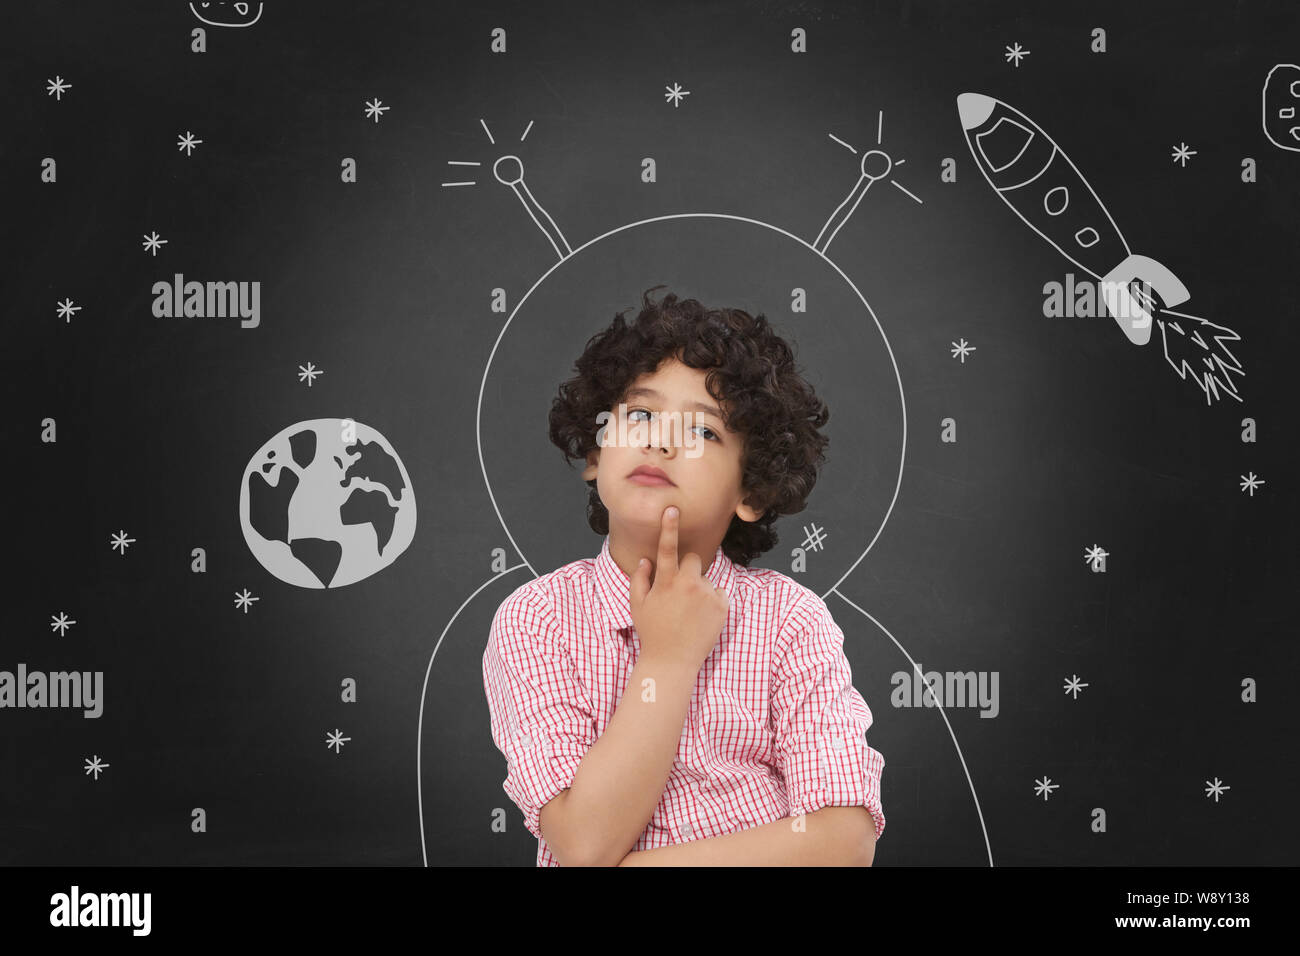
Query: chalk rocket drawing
1040	184
1281	100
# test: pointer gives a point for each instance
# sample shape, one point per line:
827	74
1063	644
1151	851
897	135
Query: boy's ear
747	513
589	473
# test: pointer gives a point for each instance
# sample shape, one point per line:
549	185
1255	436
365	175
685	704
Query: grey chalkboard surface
1016	487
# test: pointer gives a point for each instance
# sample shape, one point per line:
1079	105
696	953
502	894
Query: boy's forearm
623	774
831	836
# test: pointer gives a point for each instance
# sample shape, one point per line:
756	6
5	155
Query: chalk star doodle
61	624
1072	686
962	350
152	243
1215	789
57	88
1182	154
120	541
336	740
1251	483
308	372
244	599
374	109
96	767
187	143
1094	556
66	308
675	94
1045	787
1014	53
813	540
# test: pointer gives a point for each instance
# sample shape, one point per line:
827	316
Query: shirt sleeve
821	720
543	720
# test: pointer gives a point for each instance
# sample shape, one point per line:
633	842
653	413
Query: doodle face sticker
223	14
1282	106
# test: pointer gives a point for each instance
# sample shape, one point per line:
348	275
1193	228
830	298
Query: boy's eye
709	433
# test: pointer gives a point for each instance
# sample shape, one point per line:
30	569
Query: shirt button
837	743
527	742
686	831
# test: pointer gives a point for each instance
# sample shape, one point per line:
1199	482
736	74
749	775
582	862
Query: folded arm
831	836
831	775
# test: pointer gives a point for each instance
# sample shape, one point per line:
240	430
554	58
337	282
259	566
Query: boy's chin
646	513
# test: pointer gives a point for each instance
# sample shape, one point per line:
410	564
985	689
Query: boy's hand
680	618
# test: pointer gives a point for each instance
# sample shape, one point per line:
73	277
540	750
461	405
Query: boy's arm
622	778
831	836
821	721
589	798
542	718
832	777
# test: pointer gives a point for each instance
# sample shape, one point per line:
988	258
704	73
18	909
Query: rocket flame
1186	349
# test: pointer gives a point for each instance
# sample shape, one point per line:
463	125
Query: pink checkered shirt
775	726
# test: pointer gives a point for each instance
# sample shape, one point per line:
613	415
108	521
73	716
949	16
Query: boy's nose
668	437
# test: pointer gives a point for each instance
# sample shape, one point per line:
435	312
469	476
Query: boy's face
704	468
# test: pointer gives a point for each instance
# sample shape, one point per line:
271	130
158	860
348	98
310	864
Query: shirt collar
614	588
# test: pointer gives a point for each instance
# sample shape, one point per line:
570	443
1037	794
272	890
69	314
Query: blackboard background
1068	436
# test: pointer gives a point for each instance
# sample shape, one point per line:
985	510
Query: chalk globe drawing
326	503
686	253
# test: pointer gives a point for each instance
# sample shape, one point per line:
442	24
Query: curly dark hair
753	377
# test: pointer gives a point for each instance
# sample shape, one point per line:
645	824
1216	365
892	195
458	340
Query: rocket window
1002	145
1056	200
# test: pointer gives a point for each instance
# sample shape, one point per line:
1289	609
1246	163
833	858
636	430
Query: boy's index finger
667	543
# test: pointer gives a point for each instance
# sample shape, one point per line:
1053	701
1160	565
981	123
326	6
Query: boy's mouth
649	475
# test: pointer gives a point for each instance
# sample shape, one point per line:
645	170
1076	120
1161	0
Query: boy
652	709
